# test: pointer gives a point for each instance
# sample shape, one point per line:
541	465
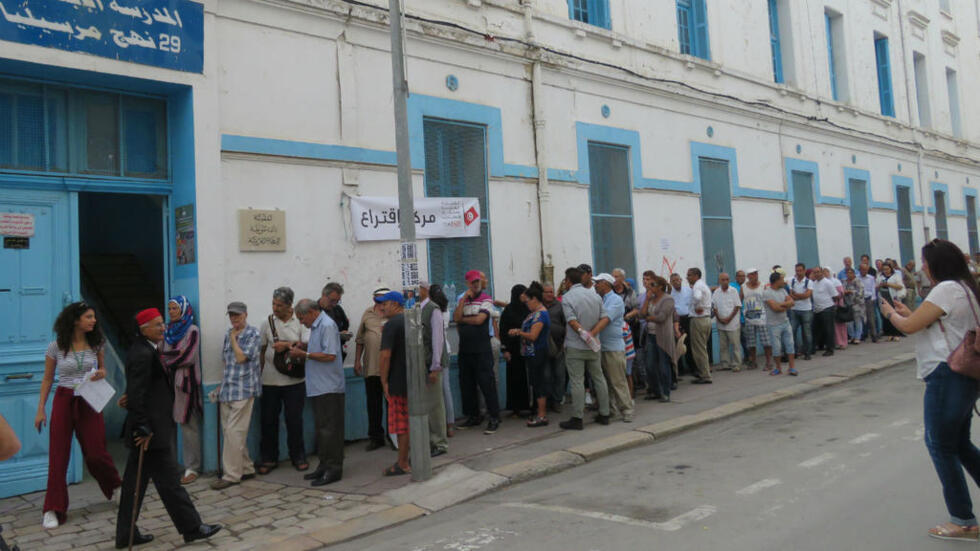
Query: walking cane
136	497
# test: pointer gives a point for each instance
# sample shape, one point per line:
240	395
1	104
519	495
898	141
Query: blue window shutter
577	10
593	12
884	77
939	200
599	13
684	26
701	45
777	57
904	213
830	59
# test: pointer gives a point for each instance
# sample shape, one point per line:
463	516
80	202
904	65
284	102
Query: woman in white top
940	323
890	280
76	350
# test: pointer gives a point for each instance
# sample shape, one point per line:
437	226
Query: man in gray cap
240	384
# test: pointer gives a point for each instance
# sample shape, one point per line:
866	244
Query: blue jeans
802	321
782	339
658	367
948	405
855	328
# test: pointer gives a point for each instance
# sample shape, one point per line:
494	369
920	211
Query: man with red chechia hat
149	431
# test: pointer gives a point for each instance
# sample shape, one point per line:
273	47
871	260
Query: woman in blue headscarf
181	360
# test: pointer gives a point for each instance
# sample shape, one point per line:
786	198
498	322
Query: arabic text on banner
377	218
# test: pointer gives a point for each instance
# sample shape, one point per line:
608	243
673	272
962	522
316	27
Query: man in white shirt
700	325
823	297
726	305
801	315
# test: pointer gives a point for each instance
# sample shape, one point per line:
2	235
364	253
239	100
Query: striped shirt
66	366
241	381
628	339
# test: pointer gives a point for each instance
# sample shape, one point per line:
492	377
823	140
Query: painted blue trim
562	175
665	185
420	106
710	151
520	171
308	150
792	165
856	174
587	132
897	182
933	186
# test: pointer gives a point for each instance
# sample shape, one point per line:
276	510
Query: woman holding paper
77	350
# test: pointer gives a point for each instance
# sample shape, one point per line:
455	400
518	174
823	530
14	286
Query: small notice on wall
186	241
17	224
261	230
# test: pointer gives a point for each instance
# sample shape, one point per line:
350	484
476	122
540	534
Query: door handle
16	376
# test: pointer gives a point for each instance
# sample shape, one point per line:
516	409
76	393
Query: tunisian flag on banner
377	218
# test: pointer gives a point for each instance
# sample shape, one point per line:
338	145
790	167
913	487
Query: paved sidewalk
281	508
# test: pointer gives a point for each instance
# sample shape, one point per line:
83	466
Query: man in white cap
613	351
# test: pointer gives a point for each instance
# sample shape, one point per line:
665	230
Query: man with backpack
801	315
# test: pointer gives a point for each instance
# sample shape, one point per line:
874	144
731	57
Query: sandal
776	372
189	477
396	470
266	468
959	533
537	422
301	466
792	371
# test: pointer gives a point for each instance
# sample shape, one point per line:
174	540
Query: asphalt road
844	468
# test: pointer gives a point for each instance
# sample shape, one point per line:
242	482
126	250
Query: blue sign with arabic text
162	33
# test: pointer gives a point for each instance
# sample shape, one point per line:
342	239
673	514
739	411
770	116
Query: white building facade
642	134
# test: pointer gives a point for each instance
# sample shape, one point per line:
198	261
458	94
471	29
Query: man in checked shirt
240	384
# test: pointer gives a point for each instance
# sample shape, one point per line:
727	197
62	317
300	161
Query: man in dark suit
150	426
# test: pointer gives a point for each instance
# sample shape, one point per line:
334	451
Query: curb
555	462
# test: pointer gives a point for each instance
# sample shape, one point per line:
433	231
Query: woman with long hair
76	350
518	400
182	363
659	351
534	334
939	325
890	283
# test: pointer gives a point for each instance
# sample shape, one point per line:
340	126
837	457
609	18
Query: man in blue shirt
613	354
240	384
325	385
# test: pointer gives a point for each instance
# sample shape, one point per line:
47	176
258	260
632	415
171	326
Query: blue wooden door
716	219
805	219
35	282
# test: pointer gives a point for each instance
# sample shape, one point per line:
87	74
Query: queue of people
591	343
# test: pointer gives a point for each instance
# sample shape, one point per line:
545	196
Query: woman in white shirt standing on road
940	323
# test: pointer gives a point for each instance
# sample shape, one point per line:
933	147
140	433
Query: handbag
283	362
965	358
844	314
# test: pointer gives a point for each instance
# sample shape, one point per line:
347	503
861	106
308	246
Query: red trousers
71	414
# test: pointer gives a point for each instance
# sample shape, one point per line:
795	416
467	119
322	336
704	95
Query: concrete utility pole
418	415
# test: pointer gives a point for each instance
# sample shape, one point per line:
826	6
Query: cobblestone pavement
280	505
253	508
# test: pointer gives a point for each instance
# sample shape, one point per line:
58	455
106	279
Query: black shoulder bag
283	362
